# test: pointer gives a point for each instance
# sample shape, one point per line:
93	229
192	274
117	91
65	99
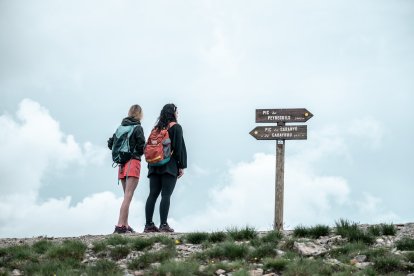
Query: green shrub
119	252
352	232
406	244
300	231
216	237
275	264
247	233
388	229
288	244
375	230
196	237
98	246
117	239
165	240
387	264
104	267
140	244
175	268
228	250
69	249
40	247
151	257
308	267
53	267
410	256
272	236
264	250
319	231
373	253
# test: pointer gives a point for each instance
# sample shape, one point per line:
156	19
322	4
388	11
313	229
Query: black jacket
137	139
179	157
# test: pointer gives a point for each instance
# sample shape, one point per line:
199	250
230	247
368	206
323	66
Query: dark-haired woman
163	178
130	171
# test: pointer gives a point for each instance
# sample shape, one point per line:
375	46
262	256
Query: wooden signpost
280	133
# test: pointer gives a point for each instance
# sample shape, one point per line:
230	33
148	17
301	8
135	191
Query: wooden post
279	185
280	173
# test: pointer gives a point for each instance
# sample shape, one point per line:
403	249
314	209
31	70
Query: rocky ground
251	253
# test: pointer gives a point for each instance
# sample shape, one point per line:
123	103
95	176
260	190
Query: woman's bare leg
129	188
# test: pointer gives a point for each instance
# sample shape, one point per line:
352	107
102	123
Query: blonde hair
135	111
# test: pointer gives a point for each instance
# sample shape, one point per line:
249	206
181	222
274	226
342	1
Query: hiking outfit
136	145
130	165
163	179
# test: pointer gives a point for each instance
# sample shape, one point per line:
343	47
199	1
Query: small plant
40	247
98	246
228	250
409	256
319	231
275	264
70	249
375	230
288	244
264	250
308	267
300	231
196	237
104	267
272	236
247	233
140	244
373	253
405	244
387	264
117	239
119	252
168	242
216	237
175	268
388	229
352	232
151	257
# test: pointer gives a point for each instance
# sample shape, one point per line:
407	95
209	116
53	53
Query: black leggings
164	184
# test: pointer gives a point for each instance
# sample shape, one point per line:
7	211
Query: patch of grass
352	232
387	264
16	256
373	253
167	241
40	247
148	258
117	239
119	252
98	246
228	266
264	250
216	237
388	229
375	230
288	244
69	249
300	231
140	244
241	272
272	236
53	267
277	265
308	267
104	267
346	252
405	244
409	256
247	233
228	250
197	237
175	268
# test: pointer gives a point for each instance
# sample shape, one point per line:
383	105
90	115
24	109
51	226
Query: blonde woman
129	169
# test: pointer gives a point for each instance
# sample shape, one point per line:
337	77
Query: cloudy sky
69	70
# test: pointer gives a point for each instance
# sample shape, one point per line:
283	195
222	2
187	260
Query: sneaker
166	228
151	228
130	230
120	229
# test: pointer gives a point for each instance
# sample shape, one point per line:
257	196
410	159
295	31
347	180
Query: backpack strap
171	124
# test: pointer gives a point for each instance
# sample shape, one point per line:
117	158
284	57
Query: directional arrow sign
280	133
292	115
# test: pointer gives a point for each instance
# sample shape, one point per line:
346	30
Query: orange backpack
157	150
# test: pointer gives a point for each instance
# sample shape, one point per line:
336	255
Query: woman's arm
178	147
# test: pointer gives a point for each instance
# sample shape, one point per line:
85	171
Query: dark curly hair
167	115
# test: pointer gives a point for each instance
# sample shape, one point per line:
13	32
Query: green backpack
121	152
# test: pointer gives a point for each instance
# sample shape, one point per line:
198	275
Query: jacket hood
130	121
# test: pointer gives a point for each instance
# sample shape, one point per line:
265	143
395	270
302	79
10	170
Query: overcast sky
69	70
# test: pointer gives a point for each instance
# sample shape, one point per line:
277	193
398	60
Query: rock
360	258
280	252
256	272
363	265
16	272
332	261
201	268
270	274
220	271
139	273
309	249
155	265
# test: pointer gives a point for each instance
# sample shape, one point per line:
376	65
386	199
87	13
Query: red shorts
130	168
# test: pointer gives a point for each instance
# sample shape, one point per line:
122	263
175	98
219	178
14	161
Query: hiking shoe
151	228
120	229
166	228
130	230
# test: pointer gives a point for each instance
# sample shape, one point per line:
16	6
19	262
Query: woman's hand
180	173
